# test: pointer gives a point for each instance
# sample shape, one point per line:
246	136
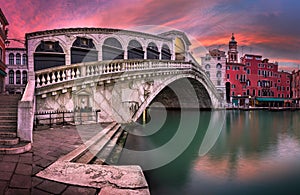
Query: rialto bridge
117	73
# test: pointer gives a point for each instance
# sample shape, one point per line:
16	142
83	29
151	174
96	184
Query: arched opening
165	53
48	54
18	59
219	66
83	50
11	77
184	93
24	59
179	49
18	77
227	86
11	59
135	50
152	51
24	77
112	49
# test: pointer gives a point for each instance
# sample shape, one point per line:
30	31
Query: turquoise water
253	152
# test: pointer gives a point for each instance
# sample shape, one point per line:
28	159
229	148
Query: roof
88	30
3	17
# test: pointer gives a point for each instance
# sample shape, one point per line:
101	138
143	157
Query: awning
2	73
270	99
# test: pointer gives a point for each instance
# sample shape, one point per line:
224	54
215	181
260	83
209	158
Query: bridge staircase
9	141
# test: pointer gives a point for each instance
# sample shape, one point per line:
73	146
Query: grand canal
254	152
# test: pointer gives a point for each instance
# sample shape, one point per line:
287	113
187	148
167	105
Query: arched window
219	66
11	76
248	71
258	83
18	59
152	51
208	74
135	50
219	74
207	66
11	59
24	77
24	59
83	50
112	49
18	77
48	54
248	82
165	53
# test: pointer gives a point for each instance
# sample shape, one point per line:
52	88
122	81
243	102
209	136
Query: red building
254	78
3	35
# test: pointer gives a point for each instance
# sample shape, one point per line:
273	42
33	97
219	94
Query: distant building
255	80
17	70
3	36
295	85
214	64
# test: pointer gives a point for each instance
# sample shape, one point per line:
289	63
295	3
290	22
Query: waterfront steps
9	142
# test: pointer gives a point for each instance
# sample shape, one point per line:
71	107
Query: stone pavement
17	172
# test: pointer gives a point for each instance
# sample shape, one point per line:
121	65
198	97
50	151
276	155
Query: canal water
231	152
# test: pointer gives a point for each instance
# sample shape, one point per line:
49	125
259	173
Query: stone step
15	149
9	113
13	110
9	141
11	118
6	134
8	122
8	127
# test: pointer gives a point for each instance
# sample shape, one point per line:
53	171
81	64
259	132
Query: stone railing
26	109
65	73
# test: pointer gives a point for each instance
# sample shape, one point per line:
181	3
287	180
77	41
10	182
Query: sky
266	27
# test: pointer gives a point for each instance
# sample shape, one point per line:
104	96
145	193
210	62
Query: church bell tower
232	52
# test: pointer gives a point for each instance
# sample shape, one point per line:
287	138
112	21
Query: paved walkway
17	172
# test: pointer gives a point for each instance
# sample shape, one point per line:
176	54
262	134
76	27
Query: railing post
50	117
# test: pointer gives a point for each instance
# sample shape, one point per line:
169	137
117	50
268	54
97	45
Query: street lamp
7	41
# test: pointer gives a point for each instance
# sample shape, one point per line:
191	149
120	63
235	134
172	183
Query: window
11	77
227	67
253	92
24	77
1	55
233	93
278	81
258	83
288	81
247	63
228	76
258	72
237	77
18	77
248	82
219	66
11	59
207	66
18	59
248	92
208	74
287	88
233	86
258	92
24	59
248	71
219	74
218	82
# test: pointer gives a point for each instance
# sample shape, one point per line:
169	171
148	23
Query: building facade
254	78
214	64
3	36
17	70
296	87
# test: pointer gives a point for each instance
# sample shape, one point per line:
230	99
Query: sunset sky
267	27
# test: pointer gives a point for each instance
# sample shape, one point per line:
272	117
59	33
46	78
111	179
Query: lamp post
7	41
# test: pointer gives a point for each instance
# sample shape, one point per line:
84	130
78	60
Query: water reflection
256	152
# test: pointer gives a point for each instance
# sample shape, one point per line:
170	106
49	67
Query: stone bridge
120	90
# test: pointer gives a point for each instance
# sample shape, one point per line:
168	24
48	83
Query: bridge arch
83	50
152	51
112	49
180	49
158	89
135	50
49	53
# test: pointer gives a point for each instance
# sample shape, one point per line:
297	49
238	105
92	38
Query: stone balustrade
64	73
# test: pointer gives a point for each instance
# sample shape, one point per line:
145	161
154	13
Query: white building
17	70
214	64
